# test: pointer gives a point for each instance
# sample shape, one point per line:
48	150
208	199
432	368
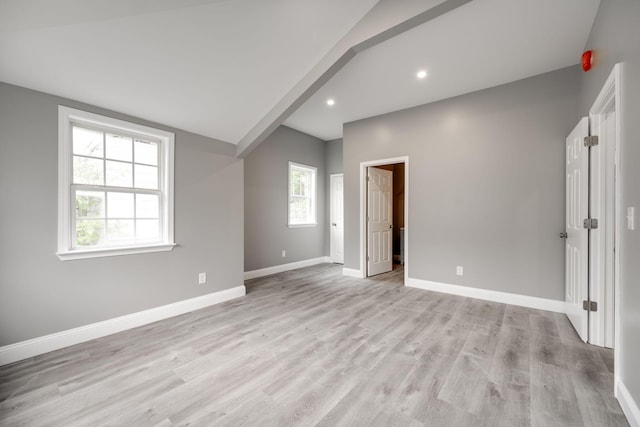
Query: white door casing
604	119
601	250
336	217
364	168
576	247
379	221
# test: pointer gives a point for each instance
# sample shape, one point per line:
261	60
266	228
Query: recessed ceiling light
330	102
422	74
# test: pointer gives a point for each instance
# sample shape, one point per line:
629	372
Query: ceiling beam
387	19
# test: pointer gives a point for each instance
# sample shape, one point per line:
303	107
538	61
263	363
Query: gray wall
615	37
265	195
39	294
333	162
486	183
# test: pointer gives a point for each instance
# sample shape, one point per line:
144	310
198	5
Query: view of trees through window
115	188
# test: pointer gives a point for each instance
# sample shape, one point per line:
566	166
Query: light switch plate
631	218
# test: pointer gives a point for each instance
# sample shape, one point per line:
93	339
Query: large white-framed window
302	195
115	186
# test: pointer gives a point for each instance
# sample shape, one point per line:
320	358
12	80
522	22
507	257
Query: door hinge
590	306
591	141
590	223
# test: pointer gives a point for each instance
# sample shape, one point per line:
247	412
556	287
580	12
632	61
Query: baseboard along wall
629	406
285	267
485	294
33	347
489	295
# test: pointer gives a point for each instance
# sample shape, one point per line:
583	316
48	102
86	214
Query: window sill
105	252
302	225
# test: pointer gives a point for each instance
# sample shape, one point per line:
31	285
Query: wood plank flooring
312	347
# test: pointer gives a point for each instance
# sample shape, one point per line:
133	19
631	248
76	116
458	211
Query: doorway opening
384	216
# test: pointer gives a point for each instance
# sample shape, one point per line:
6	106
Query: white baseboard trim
33	347
485	294
352	272
628	404
285	267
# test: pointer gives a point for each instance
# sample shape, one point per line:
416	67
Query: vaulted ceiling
234	70
479	45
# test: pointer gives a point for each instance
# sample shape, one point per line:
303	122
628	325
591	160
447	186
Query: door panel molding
576	245
380	221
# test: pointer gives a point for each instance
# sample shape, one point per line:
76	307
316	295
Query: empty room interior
319	212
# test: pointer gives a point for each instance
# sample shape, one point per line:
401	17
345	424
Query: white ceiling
479	45
213	67
218	67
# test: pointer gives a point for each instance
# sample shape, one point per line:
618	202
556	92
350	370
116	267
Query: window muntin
302	195
116	186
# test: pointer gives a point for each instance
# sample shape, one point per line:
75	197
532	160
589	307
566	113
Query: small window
115	186
302	195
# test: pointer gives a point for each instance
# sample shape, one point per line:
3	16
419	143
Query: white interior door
336	236
379	221
577	206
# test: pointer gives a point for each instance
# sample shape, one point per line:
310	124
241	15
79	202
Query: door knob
334	224
390	225
564	235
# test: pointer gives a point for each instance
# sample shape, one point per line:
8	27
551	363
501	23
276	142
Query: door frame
363	211
608	98
331	177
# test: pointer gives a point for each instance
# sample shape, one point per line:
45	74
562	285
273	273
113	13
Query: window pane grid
116	184
302	194
144	172
106	230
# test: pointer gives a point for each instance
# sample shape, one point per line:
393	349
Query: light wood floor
311	347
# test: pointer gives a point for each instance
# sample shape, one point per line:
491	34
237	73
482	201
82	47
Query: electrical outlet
202	278
284	253
459	270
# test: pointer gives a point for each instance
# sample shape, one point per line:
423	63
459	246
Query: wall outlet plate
284	253
460	270
202	278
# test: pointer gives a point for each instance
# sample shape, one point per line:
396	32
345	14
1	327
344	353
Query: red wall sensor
587	60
